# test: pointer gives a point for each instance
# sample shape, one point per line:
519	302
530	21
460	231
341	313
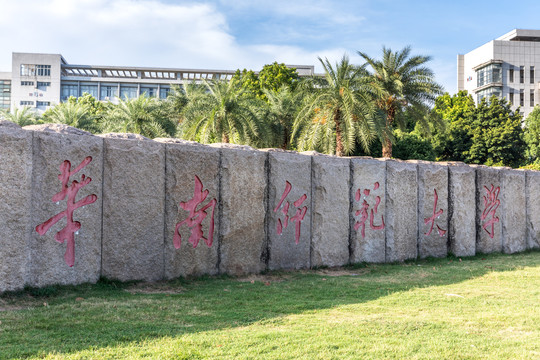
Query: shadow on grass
69	319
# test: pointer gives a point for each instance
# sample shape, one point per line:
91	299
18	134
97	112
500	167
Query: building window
129	92
67	91
521	74
532	98
149	91
28	70
43	103
489	74
511	97
5	94
43	70
33	70
89	89
488	93
521	98
531	75
43	84
108	92
27	103
27	83
511	75
164	92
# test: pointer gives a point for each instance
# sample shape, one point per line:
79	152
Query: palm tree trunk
339	141
285	143
387	143
387	147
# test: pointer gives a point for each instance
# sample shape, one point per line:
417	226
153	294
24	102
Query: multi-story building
43	80
507	67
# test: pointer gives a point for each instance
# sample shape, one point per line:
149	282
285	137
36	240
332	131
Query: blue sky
235	34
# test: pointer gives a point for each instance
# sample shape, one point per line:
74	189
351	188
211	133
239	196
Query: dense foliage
380	108
489	134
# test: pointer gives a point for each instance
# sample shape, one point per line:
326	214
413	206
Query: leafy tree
95	107
283	105
73	114
142	115
249	82
532	135
337	112
458	112
21	116
412	146
497	135
224	114
275	76
399	81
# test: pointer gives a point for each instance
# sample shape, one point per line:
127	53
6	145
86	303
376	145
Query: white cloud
136	33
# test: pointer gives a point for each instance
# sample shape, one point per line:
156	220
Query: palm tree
21	116
142	115
72	114
399	81
337	111
283	105
221	113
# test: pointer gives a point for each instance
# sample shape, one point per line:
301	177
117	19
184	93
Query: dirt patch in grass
154	288
338	271
263	278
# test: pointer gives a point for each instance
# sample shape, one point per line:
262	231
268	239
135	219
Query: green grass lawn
487	307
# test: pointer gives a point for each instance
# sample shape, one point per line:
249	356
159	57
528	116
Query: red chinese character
491	203
435	215
196	217
298	216
364	211
67	233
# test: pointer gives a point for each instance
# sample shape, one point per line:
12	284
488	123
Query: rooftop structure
507	67
43	80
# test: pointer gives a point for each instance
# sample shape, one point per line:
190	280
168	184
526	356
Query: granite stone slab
66	206
401	211
462	209
533	209
289	210
243	243
368	196
15	205
133	208
331	205
432	209
514	207
488	209
191	213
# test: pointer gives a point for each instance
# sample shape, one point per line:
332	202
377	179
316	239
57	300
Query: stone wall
74	207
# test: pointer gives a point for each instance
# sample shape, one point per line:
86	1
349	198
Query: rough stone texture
462	209
133	209
330	204
401	211
184	164
7	123
294	168
533	209
243	247
53	144
488	209
432	216
514	234
57	129
369	186
15	204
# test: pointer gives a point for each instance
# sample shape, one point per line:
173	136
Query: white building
507	67
43	80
